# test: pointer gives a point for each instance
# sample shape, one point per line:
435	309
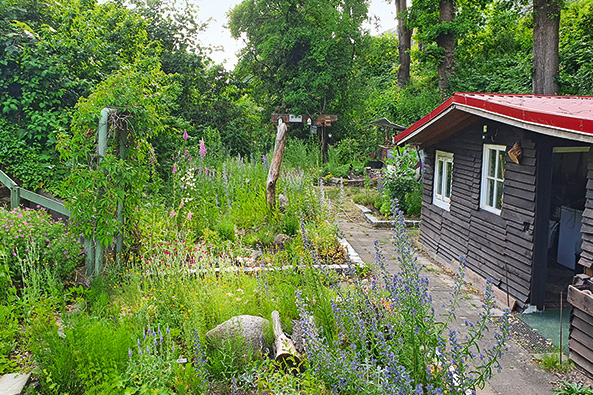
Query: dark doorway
567	203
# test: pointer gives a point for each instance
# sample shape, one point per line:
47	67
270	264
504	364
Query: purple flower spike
130	352
167	329
202	148
185	135
148	350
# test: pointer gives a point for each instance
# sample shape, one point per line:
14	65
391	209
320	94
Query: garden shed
508	183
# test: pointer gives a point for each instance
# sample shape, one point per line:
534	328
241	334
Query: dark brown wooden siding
493	244
587	227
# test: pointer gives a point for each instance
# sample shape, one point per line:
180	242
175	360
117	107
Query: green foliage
142	109
9	328
226	230
554	362
230	357
572	388
366	197
413	200
309	45
576	53
25	161
400	182
90	357
31	238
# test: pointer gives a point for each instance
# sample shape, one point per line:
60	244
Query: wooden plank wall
587	227
580	341
493	244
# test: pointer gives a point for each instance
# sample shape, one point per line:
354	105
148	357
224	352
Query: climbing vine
141	96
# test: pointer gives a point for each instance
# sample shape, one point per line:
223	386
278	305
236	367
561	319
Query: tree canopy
299	56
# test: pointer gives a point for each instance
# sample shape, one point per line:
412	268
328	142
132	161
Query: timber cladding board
488	240
581	328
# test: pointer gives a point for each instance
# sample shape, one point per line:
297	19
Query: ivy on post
111	169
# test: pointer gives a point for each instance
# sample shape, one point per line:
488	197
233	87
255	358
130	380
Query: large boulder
248	327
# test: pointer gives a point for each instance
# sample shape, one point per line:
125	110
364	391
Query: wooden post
274	172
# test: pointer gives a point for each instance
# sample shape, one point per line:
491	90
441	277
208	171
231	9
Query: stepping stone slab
13	384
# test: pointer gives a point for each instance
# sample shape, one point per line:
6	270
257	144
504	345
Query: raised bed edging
376	223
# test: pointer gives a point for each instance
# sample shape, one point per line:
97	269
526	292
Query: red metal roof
566	113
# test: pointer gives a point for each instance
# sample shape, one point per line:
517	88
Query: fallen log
286	352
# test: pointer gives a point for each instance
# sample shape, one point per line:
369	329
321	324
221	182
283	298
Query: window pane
440	178
500	174
490	193
448	180
499	189
492	163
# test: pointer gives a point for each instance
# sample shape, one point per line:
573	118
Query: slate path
520	374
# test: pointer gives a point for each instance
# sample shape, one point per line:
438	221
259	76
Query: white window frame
440	199
485	202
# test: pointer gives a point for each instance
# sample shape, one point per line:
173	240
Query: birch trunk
274	171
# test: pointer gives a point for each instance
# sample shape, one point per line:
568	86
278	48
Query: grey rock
248	327
13	384
282	200
281	240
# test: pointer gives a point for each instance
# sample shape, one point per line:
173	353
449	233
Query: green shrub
366	197
90	358
290	224
9	328
229	358
33	236
414	201
226	230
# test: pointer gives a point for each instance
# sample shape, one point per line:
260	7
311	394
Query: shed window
492	178
443	174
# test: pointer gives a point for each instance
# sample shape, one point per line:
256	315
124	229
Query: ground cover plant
140	328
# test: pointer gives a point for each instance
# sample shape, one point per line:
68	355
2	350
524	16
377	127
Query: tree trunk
274	171
546	33
404	36
446	41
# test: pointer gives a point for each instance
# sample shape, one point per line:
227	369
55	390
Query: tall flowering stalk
388	340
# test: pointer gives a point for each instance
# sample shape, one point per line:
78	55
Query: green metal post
15	197
101	151
119	247
89	262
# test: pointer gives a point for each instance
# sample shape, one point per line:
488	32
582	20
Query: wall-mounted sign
295	118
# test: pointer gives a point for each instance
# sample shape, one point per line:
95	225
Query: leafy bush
9	327
413	200
226	230
366	197
400	182
33	237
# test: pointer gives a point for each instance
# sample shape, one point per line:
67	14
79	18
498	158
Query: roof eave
551	130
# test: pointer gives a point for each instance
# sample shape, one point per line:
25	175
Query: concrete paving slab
13	384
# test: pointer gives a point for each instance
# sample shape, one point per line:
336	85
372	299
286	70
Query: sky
217	36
